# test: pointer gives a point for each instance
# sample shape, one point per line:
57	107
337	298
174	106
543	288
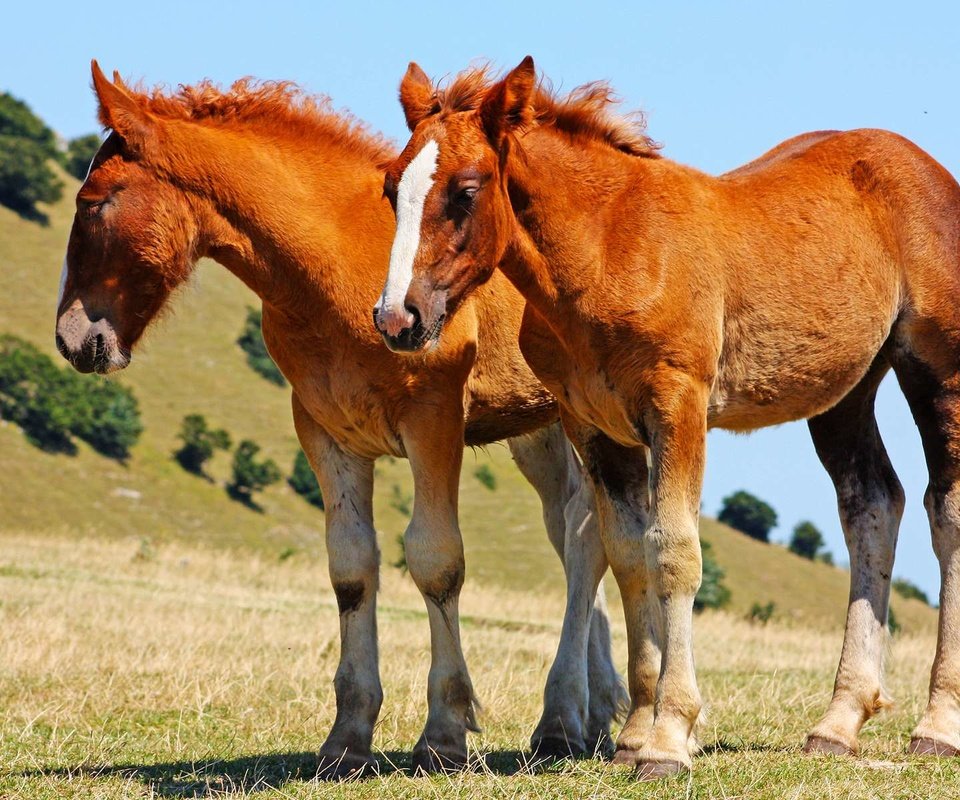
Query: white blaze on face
415	184
65	268
63	281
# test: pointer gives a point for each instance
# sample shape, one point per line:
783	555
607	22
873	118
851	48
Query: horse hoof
345	767
656	770
555	748
428	762
623	756
603	746
818	744
931	747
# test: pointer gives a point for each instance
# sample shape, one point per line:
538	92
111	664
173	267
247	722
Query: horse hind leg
583	693
935	405
870	501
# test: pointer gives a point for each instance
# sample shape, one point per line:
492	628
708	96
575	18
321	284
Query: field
160	639
198	672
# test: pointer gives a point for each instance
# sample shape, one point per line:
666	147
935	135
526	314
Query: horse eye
465	196
92	208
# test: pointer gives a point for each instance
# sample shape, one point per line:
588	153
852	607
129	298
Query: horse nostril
61	345
414	312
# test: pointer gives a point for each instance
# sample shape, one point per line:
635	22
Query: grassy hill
190	363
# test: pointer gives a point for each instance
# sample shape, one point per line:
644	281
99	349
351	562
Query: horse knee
437	568
943	510
674	560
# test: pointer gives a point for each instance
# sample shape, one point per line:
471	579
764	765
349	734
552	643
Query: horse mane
279	106
582	112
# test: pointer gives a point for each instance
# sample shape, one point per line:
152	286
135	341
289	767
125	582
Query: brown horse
662	302
288	196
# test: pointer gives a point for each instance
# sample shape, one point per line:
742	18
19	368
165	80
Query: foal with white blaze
661	302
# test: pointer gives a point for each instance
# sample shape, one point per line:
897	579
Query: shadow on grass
739	746
225	777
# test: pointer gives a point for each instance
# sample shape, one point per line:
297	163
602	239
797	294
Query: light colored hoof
346	766
931	747
830	747
428	761
657	770
624	757
554	748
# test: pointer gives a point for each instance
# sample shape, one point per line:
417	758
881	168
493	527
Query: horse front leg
434	555
347	485
676	424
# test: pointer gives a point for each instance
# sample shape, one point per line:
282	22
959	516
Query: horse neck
555	253
297	222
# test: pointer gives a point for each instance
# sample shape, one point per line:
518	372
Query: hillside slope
190	363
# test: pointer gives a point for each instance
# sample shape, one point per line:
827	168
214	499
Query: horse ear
506	106
417	96
119	110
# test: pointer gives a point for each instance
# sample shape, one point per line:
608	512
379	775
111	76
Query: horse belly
784	378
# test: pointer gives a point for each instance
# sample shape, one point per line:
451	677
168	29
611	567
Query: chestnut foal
288	196
662	302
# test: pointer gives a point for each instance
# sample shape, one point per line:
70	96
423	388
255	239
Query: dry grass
128	672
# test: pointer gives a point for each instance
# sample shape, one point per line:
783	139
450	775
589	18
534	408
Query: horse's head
134	239
447	188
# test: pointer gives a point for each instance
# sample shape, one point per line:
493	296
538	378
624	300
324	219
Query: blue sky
721	83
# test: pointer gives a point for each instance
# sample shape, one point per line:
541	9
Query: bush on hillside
909	590
749	515
712	593
52	405
761	613
825	557
25	177
806	540
26	147
199	443
304	482
485	475
107	416
249	474
80	153
251	342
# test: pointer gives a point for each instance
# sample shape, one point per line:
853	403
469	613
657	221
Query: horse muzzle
90	344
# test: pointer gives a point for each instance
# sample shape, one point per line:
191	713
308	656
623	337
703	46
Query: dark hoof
818	744
428	762
345	767
554	748
625	757
601	746
931	747
656	770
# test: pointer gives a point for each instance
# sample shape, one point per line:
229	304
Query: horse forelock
585	111
281	107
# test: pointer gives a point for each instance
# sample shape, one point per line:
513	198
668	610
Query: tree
251	342
250	475
107	416
25	176
712	592
199	443
52	405
26	147
304	482
80	153
806	540
749	515
18	121
909	590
